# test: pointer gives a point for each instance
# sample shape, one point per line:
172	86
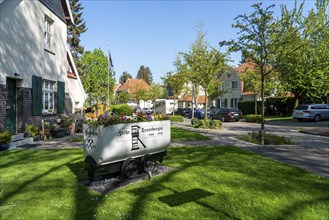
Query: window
48	91
234	103
234	84
47	33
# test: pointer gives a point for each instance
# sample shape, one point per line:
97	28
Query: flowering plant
113	119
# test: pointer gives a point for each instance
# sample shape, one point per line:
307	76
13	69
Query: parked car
199	113
182	111
147	111
314	112
227	114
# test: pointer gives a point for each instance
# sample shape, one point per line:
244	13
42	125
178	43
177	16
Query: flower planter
125	147
4	147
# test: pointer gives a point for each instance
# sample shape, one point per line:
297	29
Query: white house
38	78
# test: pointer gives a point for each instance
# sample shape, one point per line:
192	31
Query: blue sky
151	33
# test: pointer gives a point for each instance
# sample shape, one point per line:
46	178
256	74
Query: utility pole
110	65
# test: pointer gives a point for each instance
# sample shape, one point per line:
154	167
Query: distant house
132	86
246	95
232	86
38	77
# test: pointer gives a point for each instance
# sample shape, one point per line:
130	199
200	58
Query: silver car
314	112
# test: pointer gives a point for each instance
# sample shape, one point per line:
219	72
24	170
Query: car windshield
301	107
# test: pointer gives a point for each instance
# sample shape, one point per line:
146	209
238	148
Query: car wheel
223	119
299	119
317	118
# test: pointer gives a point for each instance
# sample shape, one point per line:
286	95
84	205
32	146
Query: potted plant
67	122
5	139
32	131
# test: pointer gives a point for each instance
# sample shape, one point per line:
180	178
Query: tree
304	72
123	78
259	37
74	32
123	97
176	83
203	64
96	65
145	74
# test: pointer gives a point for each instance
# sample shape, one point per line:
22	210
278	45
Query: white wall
22	43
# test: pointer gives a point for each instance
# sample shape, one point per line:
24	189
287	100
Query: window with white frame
47	33
48	100
234	103
234	84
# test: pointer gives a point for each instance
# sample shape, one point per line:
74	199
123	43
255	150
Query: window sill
49	51
49	113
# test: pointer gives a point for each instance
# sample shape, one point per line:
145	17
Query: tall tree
304	72
123	97
255	39
145	73
123	78
205	65
96	70
74	32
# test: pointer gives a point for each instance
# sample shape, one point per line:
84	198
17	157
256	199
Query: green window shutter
60	96
36	95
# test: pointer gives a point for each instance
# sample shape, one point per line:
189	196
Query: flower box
128	148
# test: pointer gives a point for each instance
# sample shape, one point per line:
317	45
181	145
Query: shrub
5	137
32	129
121	109
253	118
206	123
270	139
176	118
195	123
67	121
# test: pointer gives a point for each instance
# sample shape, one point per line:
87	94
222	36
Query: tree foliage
304	72
74	32
123	78
145	73
123	97
203	65
94	78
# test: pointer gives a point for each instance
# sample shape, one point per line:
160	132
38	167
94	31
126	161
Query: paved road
311	152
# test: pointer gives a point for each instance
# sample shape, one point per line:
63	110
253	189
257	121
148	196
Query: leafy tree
259	38
140	94
145	74
96	70
123	78
176	83
74	32
204	65
123	97
304	72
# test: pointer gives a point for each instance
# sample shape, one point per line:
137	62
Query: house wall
233	93
22	43
22	51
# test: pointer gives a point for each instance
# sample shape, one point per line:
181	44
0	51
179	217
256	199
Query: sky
152	33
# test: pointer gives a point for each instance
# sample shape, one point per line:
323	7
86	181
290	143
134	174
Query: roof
245	66
188	98
132	85
116	86
61	8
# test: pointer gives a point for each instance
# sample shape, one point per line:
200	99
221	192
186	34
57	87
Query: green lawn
177	134
209	183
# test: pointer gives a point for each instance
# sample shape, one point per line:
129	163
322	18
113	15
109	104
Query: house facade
38	78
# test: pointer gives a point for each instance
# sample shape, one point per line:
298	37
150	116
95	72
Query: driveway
310	152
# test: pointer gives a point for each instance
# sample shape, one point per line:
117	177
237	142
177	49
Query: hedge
253	118
206	123
121	109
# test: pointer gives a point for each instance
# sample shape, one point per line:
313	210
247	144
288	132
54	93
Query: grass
270	139
276	118
177	134
209	183
180	134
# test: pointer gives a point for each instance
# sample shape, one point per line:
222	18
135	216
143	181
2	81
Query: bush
5	137
270	139
176	118
206	123
32	129
67	121
121	109
253	118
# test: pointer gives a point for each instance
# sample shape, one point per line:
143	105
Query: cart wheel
91	174
130	168
90	165
148	163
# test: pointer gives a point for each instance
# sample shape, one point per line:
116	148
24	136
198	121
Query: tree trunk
262	130
256	111
296	102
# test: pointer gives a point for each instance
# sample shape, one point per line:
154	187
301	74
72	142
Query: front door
11	106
